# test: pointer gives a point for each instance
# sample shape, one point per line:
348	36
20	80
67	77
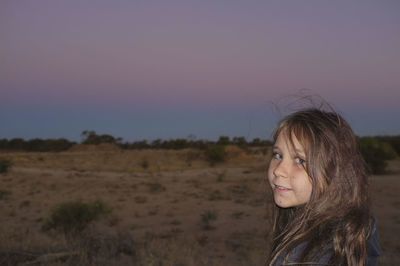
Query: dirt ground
160	202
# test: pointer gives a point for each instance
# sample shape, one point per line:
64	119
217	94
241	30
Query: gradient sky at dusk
167	69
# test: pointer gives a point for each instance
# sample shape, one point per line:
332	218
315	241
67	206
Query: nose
281	169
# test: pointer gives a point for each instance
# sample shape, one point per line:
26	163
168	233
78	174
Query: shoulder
321	258
373	247
324	255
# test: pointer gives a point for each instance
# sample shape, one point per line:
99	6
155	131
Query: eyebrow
297	151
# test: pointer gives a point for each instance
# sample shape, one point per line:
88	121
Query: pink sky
167	57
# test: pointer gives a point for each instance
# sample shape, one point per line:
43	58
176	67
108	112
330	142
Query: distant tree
394	141
376	153
34	145
56	144
156	144
179	144
223	140
139	145
240	141
90	137
215	153
191	137
3	144
16	144
255	142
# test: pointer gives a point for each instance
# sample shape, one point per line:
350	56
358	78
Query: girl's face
287	176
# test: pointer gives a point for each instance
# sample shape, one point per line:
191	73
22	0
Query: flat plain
168	207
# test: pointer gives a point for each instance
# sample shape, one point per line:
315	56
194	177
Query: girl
320	189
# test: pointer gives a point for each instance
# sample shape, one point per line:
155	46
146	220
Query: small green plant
238	215
155	187
175	222
71	218
144	164
207	217
4	194
215	153
140	199
239	189
220	177
215	195
5	165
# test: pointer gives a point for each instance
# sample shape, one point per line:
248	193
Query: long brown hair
337	215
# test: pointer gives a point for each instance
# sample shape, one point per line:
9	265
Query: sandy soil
159	205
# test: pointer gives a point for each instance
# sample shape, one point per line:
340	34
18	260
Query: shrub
207	217
140	199
5	165
155	187
215	153
220	177
223	140
394	141
4	194
73	217
376	153
144	164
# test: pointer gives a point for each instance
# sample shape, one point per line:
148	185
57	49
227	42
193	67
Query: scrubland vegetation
174	202
376	150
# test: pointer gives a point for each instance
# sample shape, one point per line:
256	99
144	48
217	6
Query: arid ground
168	207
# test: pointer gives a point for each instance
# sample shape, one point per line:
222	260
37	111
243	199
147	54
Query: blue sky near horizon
168	69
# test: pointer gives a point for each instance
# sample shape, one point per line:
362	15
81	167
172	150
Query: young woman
320	189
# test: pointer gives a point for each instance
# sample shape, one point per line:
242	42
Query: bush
215	153
223	140
144	163
207	217
394	141
4	194
376	153
73	217
5	165
155	187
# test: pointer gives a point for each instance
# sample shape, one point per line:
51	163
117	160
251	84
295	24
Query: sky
170	69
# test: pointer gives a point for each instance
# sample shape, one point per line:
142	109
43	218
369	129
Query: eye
298	160
276	155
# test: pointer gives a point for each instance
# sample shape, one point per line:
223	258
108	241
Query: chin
283	204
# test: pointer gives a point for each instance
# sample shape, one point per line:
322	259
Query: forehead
290	142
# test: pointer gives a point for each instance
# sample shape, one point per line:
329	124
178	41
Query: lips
281	188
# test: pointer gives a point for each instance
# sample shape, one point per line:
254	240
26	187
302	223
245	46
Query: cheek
270	171
303	184
307	188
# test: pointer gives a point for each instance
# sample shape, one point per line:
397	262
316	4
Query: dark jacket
373	251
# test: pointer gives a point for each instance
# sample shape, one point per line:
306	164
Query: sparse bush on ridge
215	153
36	145
393	141
376	153
90	137
73	217
5	165
223	140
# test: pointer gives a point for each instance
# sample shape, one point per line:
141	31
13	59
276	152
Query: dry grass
157	211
